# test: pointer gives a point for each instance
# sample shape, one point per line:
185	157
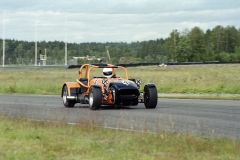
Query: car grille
128	94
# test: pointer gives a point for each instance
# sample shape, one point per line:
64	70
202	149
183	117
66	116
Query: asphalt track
211	118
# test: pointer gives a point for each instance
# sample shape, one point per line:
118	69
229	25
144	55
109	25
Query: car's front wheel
66	102
95	98
150	96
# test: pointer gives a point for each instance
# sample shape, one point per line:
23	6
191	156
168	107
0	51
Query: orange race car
109	89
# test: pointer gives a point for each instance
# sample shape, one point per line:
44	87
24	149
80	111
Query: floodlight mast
108	55
65	53
3	39
36	43
65	39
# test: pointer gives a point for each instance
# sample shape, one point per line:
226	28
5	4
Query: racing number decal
126	83
95	82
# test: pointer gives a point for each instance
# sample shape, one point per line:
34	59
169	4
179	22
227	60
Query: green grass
193	78
35	81
25	139
198	79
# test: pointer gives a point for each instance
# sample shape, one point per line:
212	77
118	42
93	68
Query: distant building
88	57
79	57
122	59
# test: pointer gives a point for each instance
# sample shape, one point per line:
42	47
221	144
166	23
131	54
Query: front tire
95	98
150	96
66	102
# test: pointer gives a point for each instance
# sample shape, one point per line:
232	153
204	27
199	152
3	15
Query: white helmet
107	72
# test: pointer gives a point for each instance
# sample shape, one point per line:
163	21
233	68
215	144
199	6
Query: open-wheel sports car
108	89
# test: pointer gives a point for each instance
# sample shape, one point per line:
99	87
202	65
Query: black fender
150	85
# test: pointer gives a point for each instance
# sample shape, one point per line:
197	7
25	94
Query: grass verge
206	80
26	139
200	96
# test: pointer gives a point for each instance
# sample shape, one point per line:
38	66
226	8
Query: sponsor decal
126	83
95	82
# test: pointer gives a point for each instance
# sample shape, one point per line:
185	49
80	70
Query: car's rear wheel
95	98
150	96
66	102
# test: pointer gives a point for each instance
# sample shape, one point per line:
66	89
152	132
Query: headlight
104	81
138	81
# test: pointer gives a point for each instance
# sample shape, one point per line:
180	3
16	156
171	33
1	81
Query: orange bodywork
108	89
84	73
71	85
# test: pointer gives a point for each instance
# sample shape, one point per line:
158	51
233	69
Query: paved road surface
199	117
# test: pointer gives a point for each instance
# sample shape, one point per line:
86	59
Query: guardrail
121	64
169	63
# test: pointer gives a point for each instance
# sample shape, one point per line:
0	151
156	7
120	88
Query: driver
107	72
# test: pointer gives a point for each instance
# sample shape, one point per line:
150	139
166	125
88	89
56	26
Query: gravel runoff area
200	96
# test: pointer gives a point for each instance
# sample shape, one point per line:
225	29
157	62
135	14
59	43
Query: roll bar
89	67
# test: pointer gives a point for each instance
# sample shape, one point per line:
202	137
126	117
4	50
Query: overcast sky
111	20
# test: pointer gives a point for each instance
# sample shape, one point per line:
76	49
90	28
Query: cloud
108	20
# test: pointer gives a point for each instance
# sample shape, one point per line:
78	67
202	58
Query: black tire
95	98
66	102
150	96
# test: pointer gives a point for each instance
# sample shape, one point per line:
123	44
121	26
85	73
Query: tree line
219	44
194	45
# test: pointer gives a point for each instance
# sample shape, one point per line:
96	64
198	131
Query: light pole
108	55
36	42
65	39
3	38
